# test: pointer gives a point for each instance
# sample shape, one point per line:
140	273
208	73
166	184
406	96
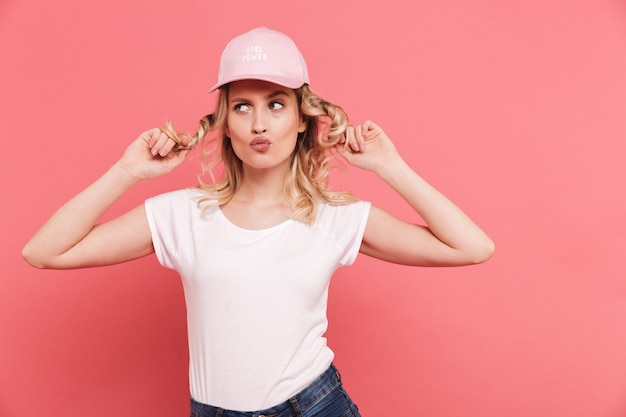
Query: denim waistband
315	391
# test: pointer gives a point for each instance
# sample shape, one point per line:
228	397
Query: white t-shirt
256	299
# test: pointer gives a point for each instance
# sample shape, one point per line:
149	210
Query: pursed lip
260	144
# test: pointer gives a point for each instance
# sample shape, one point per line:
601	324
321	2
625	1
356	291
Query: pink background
515	109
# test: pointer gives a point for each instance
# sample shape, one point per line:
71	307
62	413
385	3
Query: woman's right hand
71	238
150	155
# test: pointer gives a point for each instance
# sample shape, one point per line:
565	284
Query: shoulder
342	217
337	211
175	203
183	197
344	225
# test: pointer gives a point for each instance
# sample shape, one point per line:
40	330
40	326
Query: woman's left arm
450	237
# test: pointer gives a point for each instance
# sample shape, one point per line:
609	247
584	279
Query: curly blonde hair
311	160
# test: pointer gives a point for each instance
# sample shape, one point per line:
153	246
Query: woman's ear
303	125
226	130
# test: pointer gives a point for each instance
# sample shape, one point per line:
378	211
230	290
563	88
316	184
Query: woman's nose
258	123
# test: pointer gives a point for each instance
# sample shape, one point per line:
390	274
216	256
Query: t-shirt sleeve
348	227
169	216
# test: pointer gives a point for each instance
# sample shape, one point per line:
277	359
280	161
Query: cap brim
284	81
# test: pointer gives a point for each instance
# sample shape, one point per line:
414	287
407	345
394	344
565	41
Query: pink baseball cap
263	54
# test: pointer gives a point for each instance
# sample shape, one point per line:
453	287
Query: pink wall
515	109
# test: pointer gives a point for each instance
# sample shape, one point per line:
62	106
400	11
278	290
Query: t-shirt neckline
265	229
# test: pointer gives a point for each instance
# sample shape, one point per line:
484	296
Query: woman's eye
275	105
242	107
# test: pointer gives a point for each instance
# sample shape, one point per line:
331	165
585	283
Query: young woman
256	248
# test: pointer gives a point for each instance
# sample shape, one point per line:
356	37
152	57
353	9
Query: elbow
32	259
483	252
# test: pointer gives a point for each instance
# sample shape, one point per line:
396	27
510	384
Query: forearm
444	219
76	218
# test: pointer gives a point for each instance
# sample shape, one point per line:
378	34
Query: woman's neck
262	186
259	202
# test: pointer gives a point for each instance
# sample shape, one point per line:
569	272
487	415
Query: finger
151	136
368	126
179	157
351	140
342	146
163	145
360	137
156	143
344	151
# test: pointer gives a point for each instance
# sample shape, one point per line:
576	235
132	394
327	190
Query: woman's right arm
72	239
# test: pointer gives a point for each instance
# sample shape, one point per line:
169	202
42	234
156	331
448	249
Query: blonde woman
256	248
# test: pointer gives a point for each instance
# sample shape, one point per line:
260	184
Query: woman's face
263	122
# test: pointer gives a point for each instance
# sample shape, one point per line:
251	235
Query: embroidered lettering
254	53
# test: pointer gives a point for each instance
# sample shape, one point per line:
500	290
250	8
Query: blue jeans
324	397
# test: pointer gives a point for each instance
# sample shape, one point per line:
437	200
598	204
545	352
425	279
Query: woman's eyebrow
276	93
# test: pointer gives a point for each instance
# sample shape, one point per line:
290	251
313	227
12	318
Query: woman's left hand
366	146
